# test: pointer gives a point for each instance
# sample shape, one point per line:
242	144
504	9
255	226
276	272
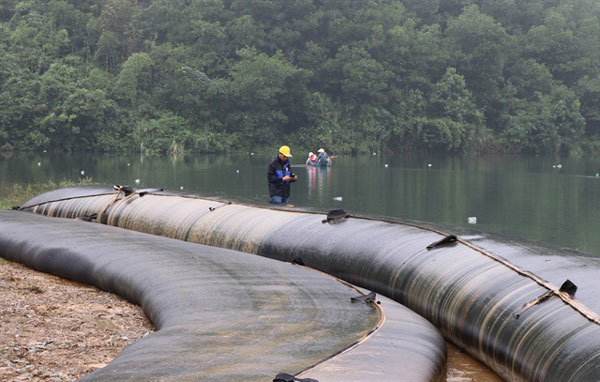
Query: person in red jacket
312	157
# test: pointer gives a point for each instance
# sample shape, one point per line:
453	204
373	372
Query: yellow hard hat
285	150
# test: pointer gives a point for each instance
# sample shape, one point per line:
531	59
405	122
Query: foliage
455	121
165	134
15	194
214	75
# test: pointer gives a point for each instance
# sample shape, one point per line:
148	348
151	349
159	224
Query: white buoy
127	164
237	171
82	172
374	153
44	150
386	165
39	164
181	188
559	165
338	198
472	220
251	153
137	181
429	165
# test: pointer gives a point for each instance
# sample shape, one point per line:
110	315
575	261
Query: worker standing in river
280	176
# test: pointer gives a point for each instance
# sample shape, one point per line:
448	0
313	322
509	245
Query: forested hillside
351	75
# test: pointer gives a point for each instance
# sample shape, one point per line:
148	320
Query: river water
542	199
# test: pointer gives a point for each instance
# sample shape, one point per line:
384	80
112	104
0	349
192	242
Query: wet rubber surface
403	332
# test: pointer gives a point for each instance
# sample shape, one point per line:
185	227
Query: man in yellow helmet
279	175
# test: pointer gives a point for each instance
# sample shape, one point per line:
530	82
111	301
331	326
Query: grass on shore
15	194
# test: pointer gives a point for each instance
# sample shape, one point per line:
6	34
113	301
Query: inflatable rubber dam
515	318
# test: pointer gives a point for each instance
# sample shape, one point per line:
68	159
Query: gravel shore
52	329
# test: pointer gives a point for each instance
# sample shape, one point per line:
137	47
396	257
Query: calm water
514	196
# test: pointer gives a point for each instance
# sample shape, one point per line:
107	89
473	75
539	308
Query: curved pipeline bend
220	314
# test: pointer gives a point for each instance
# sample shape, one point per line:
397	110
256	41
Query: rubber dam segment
224	315
517	323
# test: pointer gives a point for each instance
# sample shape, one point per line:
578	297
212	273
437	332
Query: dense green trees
213	75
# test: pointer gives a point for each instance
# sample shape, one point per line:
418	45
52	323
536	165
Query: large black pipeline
471	296
221	314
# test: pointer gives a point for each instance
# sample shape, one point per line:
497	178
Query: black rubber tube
221	314
467	294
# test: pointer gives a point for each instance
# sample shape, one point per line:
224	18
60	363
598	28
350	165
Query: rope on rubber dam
470	295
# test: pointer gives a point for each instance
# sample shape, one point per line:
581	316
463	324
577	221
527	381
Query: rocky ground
53	329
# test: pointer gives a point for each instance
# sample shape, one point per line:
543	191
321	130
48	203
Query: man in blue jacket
280	176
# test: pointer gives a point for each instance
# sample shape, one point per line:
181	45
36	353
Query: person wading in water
279	175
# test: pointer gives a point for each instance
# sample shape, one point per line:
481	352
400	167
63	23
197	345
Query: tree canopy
355	76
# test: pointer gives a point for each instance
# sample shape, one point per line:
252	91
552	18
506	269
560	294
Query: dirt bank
53	329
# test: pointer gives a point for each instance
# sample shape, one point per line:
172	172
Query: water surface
542	199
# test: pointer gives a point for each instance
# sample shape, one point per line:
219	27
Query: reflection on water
318	182
461	367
